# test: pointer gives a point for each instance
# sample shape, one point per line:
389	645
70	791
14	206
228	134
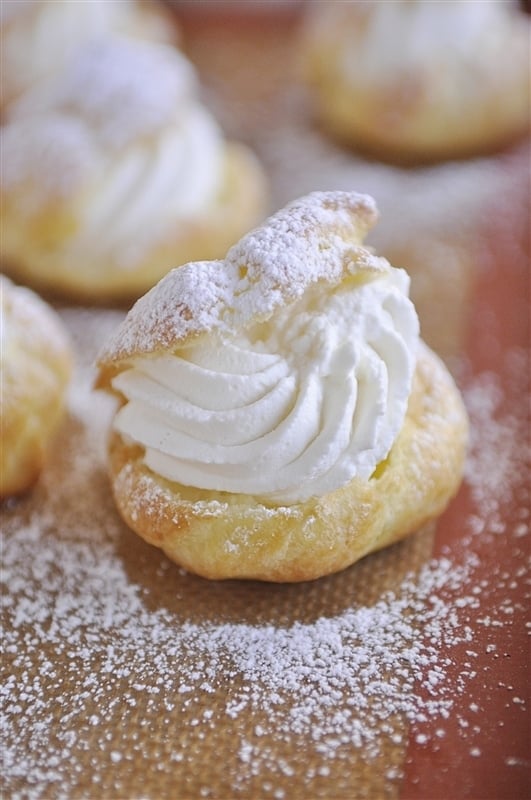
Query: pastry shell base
220	535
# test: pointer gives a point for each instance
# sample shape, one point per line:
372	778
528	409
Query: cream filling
42	38
123	140
151	188
289	409
126	202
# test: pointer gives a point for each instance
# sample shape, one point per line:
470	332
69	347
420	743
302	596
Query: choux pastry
278	416
115	172
417	80
36	363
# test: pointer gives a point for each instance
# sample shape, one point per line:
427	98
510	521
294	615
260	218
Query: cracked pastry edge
202	297
36	361
220	535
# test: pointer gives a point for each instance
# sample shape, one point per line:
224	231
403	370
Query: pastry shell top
269	267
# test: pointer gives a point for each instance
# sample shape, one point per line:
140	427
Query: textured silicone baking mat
404	676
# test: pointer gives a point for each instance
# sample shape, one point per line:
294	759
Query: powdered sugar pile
341	682
93	666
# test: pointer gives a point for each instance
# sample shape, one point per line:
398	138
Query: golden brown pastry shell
36	366
405	119
404	134
221	535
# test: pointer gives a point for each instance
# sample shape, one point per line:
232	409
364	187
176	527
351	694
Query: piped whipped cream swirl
122	137
290	408
40	36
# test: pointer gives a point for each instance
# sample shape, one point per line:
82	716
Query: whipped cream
289	408
123	134
42	35
148	189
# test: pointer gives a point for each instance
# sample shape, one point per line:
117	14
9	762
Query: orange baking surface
485	750
404	677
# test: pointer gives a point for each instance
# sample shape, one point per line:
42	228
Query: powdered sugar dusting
62	155
124	89
314	238
500	449
99	663
97	685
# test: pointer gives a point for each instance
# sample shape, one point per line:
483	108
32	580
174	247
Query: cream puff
38	37
279	417
116	172
416	80
36	363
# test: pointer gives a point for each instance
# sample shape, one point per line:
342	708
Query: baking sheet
404	676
